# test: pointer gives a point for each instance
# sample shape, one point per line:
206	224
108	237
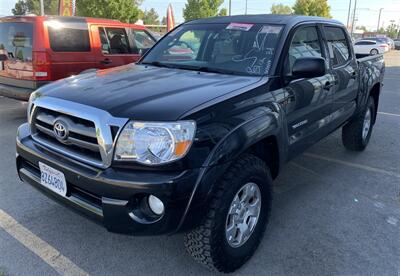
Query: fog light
156	205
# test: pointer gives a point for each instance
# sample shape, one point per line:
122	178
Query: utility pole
41	8
354	17
245	12
230	7
379	19
348	15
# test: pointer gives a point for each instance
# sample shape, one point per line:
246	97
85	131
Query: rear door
344	68
70	47
309	99
116	49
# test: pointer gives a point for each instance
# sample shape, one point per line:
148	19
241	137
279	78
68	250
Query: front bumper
109	196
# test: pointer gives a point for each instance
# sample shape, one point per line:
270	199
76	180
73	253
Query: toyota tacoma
190	138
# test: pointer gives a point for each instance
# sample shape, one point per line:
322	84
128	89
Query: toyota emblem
60	130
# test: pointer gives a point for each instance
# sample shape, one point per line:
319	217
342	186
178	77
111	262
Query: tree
151	17
281	9
123	10
33	6
195	9
164	21
391	30
312	8
363	28
223	12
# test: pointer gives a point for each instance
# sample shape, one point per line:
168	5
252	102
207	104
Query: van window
339	50
16	40
68	36
118	40
142	40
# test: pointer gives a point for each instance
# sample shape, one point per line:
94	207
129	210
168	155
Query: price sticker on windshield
239	26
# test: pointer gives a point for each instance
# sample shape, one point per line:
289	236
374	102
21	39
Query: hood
146	92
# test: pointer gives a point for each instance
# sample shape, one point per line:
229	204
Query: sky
366	15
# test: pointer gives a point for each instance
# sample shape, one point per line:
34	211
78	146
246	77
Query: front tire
357	132
236	219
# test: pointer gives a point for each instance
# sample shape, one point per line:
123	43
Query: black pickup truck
190	138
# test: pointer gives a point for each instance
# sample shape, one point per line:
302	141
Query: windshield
234	48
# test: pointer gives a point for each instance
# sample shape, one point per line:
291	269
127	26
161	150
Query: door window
114	41
339	50
305	43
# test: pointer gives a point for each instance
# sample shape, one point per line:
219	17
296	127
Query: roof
69	19
264	18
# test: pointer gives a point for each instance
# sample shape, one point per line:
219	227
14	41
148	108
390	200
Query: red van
35	50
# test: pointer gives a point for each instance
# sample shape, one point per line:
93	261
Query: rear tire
374	52
215	243
357	132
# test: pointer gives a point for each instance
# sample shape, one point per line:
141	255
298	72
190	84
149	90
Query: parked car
397	43
36	50
370	47
386	40
193	144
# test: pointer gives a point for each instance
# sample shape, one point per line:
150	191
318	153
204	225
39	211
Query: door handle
329	85
106	61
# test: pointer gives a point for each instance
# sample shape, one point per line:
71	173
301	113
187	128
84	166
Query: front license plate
53	179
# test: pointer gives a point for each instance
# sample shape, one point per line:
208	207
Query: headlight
154	143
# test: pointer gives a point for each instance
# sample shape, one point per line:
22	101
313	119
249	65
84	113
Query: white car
370	47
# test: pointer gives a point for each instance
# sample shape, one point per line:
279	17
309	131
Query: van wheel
374	52
236	219
357	132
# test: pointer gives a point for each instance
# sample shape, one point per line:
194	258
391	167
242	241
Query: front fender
261	122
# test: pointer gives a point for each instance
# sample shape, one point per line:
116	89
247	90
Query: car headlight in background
154	143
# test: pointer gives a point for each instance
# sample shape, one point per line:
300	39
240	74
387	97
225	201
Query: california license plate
53	179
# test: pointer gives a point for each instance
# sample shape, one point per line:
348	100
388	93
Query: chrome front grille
90	133
82	133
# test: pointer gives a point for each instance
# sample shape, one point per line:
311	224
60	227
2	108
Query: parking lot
335	213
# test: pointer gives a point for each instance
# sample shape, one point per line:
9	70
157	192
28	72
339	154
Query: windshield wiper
158	64
208	69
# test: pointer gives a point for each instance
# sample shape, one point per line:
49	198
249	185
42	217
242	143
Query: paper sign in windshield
239	26
271	29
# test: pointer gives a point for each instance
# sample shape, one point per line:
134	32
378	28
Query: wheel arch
375	94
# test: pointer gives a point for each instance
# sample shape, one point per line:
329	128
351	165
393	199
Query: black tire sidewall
371	107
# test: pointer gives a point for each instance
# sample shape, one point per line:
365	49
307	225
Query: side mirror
3	57
308	67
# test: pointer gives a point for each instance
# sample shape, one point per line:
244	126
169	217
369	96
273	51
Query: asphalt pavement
334	213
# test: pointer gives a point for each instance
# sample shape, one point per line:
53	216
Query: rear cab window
68	36
338	45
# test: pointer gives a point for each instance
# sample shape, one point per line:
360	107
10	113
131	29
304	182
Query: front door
115	48
309	99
